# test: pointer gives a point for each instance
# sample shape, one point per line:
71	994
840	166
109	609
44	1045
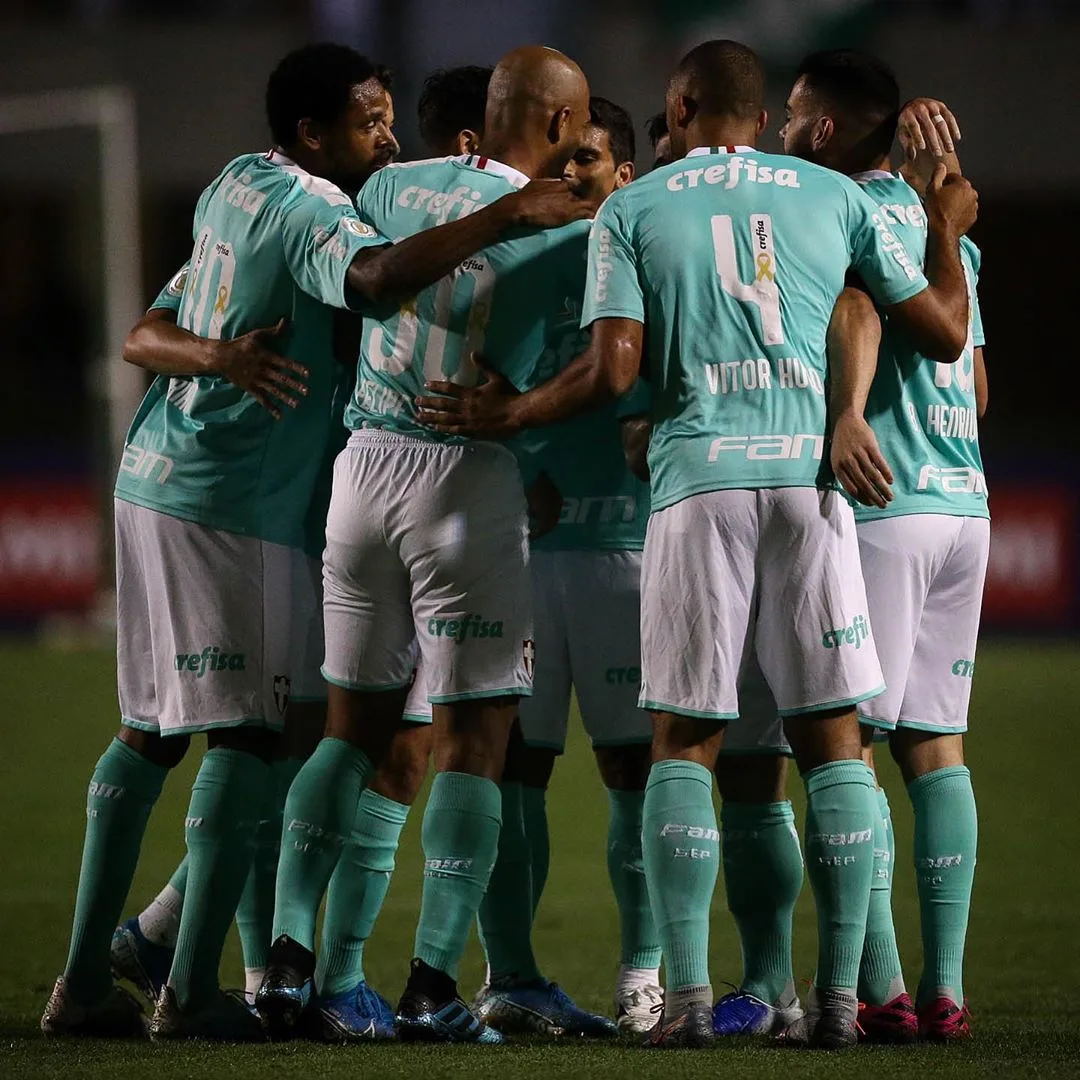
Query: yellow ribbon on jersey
765	267
222	300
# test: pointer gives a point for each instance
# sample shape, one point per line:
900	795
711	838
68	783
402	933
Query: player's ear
824	130
685	110
624	173
762	121
560	121
468	141
307	133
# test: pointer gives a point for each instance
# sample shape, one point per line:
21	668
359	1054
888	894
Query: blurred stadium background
113	116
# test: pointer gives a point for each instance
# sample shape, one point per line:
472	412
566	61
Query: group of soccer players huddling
432	443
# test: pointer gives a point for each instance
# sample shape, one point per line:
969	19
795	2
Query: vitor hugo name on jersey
922	411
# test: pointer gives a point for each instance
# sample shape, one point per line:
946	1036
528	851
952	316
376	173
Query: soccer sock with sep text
840	811
357	890
763	876
681	849
122	792
460	838
640	943
319	816
221	826
881	978
946	838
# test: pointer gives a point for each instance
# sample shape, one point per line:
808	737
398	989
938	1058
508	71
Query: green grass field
1024	946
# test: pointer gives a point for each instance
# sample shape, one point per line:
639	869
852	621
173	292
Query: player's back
271	241
503	303
924	412
740	257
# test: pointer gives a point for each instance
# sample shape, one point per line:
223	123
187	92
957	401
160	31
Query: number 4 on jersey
763	290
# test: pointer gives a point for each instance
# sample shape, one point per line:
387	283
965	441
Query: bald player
427	550
750	548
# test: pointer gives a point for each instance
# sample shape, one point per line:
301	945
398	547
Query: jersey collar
486	164
699	150
276	157
873	174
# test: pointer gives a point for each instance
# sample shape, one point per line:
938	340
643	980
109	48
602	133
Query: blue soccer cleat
431	1011
740	1013
135	957
287	993
539	1008
356	1015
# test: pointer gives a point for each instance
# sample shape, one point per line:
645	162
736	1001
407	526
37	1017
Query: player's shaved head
723	78
537	104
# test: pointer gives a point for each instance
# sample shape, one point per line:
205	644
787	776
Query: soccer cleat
288	988
893	1023
740	1013
136	958
419	1019
225	1018
117	1016
636	1009
693	1030
830	1022
356	1015
539	1008
943	1021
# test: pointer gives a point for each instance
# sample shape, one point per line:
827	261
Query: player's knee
624	768
532	766
752	778
920	752
819	738
260	742
166	752
686	738
404	769
471	736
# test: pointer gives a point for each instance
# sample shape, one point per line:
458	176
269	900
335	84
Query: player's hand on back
927	125
548	204
951	199
250	362
857	462
545	505
485	411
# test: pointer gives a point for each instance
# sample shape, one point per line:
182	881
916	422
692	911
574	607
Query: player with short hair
451	109
586	571
211	498
659	139
426	550
746	522
924	554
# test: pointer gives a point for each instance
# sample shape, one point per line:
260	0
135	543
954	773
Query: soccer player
659	139
211	499
451	109
924	554
586	593
426	550
749	547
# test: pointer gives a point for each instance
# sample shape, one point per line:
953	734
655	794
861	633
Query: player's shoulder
881	185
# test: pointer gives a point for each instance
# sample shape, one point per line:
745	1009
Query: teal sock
880	976
255	912
763	876
534	814
461	839
357	890
946	836
220	828
506	912
840	864
626	868
122	792
319	815
681	849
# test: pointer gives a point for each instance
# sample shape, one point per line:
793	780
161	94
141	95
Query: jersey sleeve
321	234
974	257
169	298
635	402
878	255
612	283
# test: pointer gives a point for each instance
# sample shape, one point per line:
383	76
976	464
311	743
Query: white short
924	580
760	728
205	624
772	570
587	607
427	554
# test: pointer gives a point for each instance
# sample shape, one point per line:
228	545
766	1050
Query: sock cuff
227	761
883	804
143	777
921	784
465	792
393	813
742	815
662	771
834	773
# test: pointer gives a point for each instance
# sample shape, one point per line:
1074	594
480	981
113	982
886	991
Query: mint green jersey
923	412
733	260
505	303
271	240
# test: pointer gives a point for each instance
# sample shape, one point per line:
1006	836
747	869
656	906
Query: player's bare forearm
947	330
636	431
853	340
155	343
982	387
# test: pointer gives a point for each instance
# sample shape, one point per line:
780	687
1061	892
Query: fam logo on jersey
468	626
528	655
855	634
212	658
282	686
179	281
357	227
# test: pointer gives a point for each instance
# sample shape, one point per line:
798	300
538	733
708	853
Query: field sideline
1024	946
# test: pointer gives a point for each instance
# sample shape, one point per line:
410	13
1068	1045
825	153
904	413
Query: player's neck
720	131
882	163
514	153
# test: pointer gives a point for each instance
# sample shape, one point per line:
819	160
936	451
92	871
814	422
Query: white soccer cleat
636	1009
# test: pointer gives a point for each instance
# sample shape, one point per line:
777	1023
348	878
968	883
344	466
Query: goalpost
57	549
